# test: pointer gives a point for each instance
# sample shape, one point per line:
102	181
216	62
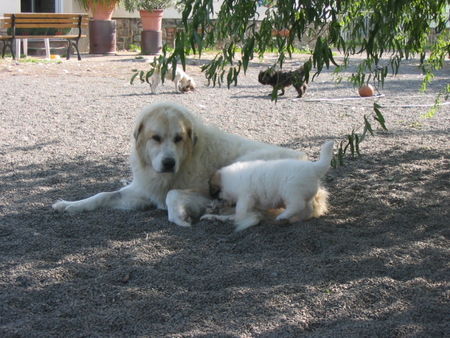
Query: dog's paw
60	205
182	223
247	222
213	217
67	206
182	219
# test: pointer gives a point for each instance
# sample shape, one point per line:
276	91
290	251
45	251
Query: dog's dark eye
177	139
156	138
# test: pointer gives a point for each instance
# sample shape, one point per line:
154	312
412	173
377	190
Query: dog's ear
215	185
192	136
138	130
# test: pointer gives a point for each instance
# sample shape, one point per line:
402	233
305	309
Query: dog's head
187	84
266	76
215	185
164	137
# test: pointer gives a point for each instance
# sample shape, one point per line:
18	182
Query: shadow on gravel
376	264
308	141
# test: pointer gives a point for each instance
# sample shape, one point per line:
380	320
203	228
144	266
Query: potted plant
102	30
151	13
100	9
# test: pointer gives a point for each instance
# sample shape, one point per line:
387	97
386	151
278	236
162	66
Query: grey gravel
376	265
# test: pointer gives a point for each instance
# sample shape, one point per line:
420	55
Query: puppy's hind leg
294	211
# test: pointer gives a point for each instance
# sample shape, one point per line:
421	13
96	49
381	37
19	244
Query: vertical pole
47	48
17	49
25	47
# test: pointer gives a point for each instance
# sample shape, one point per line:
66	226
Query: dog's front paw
181	219
67	206
182	223
60	205
246	222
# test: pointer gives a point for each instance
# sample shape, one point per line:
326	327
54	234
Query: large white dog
172	150
256	186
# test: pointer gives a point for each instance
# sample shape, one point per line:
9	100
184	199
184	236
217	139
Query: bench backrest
45	20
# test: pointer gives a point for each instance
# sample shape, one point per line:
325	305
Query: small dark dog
281	79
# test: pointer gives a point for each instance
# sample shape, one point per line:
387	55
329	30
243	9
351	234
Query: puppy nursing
183	82
256	186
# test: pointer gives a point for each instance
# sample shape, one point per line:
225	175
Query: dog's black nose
168	164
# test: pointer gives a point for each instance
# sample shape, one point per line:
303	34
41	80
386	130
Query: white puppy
256	186
183	82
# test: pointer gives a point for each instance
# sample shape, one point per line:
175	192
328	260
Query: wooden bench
18	24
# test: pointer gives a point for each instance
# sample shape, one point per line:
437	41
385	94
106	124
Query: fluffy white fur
183	82
256	186
172	150
185	206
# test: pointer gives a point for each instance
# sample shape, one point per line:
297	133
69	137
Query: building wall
128	32
9	6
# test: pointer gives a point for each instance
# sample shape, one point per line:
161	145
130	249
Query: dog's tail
324	162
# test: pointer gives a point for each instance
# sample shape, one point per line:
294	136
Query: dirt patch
376	265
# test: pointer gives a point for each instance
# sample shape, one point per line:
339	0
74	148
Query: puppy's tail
324	162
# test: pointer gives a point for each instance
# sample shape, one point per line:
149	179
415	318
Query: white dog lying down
183	82
174	151
256	186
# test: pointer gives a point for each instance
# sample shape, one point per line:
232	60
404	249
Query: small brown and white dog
256	186
183	82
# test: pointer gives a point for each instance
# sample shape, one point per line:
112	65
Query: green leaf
134	77
379	116
367	125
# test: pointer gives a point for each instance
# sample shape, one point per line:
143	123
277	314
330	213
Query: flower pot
281	32
151	36
102	37
151	42
152	21
101	11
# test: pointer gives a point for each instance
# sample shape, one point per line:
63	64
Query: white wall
73	6
171	13
9	6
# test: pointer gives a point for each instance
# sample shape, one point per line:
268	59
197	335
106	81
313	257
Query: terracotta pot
152	21
102	37
102	12
282	32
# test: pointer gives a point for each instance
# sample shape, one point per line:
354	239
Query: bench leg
47	48
25	47
7	43
75	44
4	49
17	49
69	49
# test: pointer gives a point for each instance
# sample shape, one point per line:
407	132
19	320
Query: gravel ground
376	265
